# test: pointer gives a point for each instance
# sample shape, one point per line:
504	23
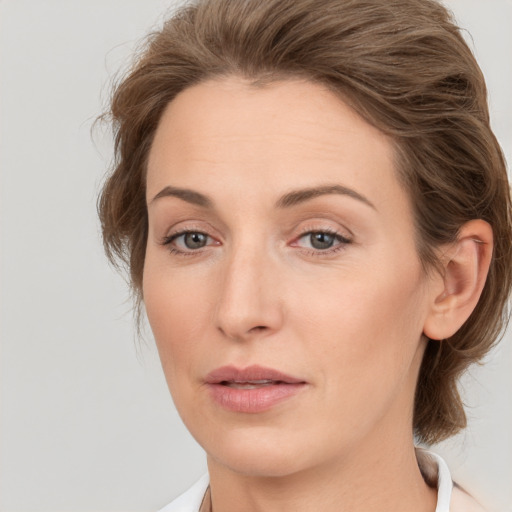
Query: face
281	279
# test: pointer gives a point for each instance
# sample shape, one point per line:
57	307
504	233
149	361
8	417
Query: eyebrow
288	200
190	196
299	196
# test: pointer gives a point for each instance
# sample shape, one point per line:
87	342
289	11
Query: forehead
292	133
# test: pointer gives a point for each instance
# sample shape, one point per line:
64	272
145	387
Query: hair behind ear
450	349
438	409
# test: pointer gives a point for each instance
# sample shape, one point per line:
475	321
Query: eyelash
342	240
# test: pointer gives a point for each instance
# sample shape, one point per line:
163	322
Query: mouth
254	384
254	389
252	375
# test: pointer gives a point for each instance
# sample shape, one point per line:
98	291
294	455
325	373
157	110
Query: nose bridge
248	299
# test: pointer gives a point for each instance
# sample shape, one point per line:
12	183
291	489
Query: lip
254	389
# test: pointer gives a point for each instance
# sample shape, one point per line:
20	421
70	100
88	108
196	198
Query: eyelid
323	225
189	225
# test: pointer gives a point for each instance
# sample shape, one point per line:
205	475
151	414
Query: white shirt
449	498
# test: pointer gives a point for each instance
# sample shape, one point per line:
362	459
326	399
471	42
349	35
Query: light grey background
86	420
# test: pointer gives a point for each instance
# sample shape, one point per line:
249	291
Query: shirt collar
435	471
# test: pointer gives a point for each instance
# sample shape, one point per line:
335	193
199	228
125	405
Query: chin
262	464
257	452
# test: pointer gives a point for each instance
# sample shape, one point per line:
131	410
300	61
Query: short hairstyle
404	67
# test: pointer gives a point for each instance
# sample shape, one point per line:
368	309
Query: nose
249	302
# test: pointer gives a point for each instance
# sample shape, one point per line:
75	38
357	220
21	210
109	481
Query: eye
193	240
321	240
187	241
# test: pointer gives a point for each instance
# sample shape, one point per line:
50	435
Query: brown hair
405	68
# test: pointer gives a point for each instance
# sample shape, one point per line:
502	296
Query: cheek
177	310
365	330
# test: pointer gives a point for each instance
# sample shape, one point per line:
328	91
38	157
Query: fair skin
326	287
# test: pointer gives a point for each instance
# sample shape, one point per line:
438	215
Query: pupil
195	240
322	240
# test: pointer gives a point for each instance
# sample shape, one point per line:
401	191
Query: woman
316	217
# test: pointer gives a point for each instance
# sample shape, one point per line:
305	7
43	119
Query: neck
383	480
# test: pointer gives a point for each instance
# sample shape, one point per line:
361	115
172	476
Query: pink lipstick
251	390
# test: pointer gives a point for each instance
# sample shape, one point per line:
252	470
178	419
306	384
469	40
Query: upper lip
249	374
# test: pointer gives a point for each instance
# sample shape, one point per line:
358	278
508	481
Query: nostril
259	328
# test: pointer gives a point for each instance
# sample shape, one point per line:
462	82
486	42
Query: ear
466	264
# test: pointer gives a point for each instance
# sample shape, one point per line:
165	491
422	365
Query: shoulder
189	501
464	502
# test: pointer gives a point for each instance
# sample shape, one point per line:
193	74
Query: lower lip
253	400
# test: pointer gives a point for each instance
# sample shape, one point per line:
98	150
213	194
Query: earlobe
466	264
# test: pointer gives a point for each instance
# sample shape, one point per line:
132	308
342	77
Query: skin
348	320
